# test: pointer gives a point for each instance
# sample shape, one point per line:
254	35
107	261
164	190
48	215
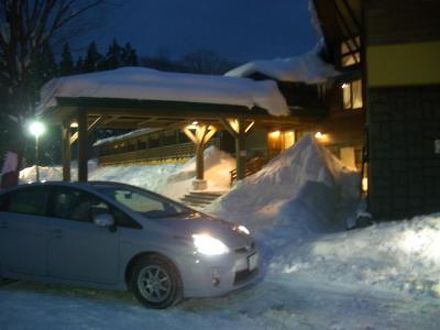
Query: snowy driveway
276	303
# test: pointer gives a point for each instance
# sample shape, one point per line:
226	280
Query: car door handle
57	233
4	225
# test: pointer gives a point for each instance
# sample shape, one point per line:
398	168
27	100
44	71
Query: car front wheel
155	282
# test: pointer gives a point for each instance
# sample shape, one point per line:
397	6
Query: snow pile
53	173
301	192
401	255
218	165
172	180
309	68
138	83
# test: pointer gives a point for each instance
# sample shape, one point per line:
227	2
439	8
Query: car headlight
242	229
209	245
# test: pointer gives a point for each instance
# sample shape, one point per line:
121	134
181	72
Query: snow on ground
317	275
136	83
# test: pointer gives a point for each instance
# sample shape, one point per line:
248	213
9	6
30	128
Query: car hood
196	223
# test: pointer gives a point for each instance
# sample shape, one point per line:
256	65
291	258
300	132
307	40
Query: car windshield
145	203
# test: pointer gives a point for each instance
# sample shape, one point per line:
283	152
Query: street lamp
36	128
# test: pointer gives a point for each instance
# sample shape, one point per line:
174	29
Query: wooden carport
80	116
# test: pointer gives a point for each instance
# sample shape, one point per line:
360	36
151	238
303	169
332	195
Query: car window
77	205
28	201
146	204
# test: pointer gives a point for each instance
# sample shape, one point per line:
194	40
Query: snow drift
304	190
172	180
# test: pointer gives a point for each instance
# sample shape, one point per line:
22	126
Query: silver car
116	236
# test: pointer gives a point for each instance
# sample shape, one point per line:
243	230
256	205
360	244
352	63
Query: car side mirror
104	220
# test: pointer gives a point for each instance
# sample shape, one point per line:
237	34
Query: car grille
244	275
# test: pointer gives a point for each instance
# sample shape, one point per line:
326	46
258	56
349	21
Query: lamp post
37	128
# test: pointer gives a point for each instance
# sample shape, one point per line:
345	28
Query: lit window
288	139
350	53
352	95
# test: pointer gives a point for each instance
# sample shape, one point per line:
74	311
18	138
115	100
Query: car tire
155	282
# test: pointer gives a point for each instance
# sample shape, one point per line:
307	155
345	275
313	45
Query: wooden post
240	150
66	150
238	129
82	145
200	164
203	133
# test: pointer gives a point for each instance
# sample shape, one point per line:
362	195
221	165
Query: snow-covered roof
128	135
308	68
138	83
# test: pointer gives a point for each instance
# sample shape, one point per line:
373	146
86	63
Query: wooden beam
66	150
90	128
82	146
142	123
228	127
203	133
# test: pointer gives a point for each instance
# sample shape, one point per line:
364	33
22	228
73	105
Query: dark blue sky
240	30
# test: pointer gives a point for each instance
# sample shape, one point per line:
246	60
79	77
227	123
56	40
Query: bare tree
26	26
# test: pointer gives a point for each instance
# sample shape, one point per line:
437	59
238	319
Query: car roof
87	185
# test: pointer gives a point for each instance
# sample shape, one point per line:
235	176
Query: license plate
253	261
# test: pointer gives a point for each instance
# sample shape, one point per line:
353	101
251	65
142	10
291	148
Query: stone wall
404	170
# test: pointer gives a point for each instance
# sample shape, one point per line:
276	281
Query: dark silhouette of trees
66	66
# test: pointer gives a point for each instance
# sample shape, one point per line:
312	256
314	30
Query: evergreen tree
93	59
79	65
113	58
129	56
66	65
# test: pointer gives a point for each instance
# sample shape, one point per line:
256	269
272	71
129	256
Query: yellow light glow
249	126
319	135
193	125
364	184
275	134
345	85
235	124
74	125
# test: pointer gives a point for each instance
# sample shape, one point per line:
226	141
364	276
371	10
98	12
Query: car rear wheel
155	282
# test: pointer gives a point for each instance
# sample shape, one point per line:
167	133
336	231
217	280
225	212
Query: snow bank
52	173
308	68
301	192
172	180
402	256
147	84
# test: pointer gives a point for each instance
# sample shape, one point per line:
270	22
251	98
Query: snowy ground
317	275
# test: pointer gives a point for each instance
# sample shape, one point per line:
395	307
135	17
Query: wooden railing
174	152
252	166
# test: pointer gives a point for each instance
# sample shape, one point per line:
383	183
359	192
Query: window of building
280	140
352	95
350	52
